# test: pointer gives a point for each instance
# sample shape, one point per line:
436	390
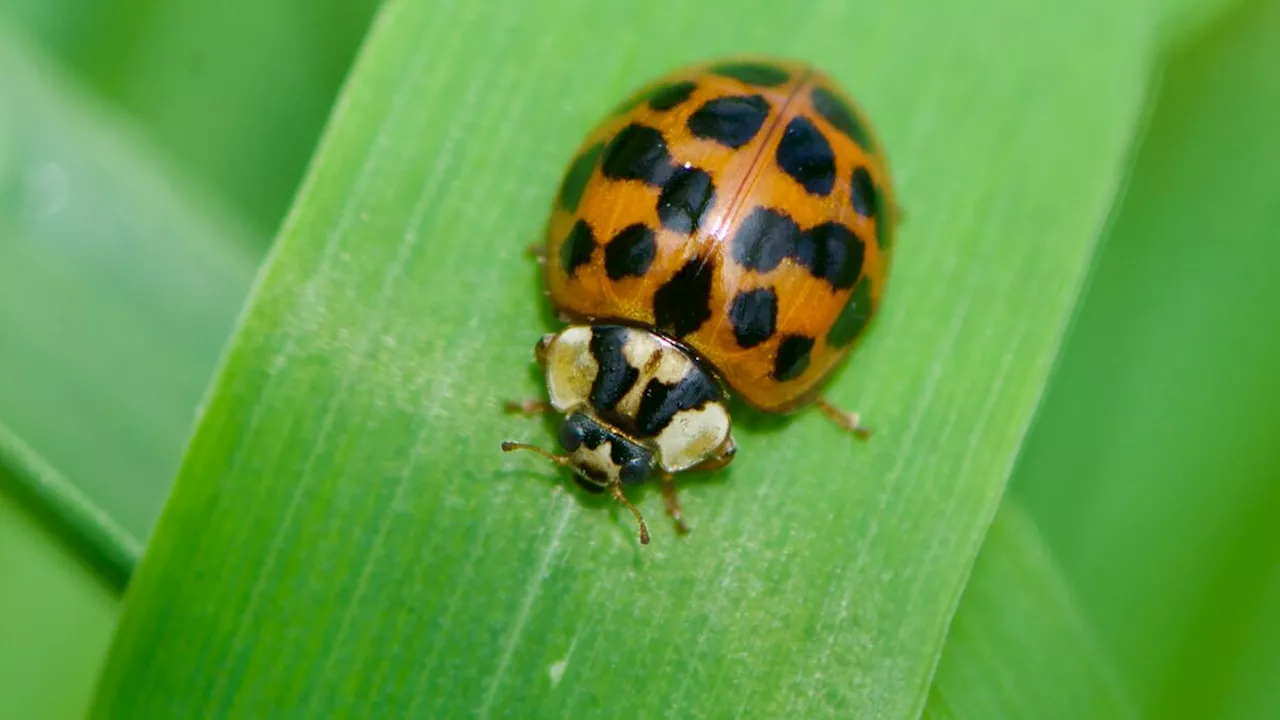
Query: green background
1097	188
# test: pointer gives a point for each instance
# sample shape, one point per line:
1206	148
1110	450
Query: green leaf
117	292
1152	470
1019	646
344	532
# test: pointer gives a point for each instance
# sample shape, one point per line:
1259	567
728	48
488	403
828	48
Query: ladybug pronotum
726	230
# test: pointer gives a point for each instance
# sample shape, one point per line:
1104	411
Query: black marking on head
862	193
577	247
685	198
637	152
832	252
753	73
585	430
730	121
841	115
853	318
805	155
576	179
670	95
684	302
633	461
615	376
572	432
793	357
764	238
660	401
630	252
754	316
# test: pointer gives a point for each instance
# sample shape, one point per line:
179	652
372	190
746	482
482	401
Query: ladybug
726	230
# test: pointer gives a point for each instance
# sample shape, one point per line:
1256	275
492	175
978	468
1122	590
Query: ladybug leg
531	406
673	503
849	421
538	252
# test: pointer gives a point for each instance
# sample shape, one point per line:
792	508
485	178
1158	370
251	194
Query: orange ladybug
728	230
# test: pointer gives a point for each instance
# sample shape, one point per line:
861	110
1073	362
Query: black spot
668	96
684	199
753	73
862	193
764	238
805	155
730	121
615	376
793	357
660	402
576	179
754	316
577	247
832	252
853	318
841	115
660	97
684	302
884	234
637	152
630	252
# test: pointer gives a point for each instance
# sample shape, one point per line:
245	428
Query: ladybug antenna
561	460
615	488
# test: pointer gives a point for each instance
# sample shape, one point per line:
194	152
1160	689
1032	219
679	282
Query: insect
727	230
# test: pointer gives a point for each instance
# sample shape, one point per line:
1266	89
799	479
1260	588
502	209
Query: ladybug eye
571	433
634	471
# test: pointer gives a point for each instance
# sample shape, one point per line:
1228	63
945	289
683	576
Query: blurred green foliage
235	92
1150	472
1154	470
118	287
56	617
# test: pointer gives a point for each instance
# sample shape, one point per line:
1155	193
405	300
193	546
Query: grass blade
344	535
104	543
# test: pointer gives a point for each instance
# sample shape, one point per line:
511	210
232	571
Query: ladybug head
601	457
